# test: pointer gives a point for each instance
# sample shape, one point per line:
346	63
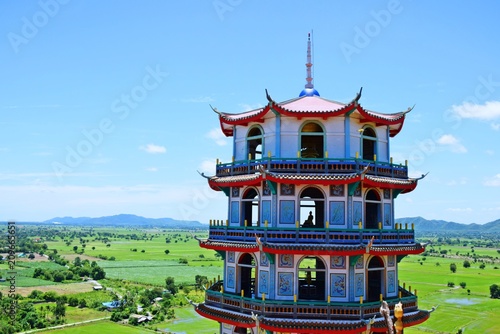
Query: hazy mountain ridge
421	224
424	225
126	220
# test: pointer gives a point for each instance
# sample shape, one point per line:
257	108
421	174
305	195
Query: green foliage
494	291
466	264
453	267
170	285
463	285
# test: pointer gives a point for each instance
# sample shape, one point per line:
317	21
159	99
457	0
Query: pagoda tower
310	244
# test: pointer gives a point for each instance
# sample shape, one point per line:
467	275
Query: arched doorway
368	144
312	207
254	143
312	278
312	141
246	274
372	209
375	275
250	207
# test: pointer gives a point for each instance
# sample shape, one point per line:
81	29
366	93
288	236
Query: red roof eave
224	320
293	329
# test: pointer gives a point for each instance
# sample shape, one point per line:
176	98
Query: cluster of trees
78	269
28	317
160	309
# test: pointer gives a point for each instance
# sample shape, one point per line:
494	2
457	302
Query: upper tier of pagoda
316	107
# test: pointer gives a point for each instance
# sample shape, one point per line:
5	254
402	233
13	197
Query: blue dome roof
309	92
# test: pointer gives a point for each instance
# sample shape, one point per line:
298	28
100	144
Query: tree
82	303
200	281
98	273
482	266
73	301
167	251
494	291
77	261
466	264
60	309
453	268
170	285
463	285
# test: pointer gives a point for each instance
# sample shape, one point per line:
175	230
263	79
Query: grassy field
100	327
456	308
154	272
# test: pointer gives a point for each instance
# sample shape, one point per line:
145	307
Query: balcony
316	165
322	236
313	309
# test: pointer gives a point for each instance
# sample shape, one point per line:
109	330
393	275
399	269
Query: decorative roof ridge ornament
269	98
364	171
420	178
215	110
358	96
409	109
206	177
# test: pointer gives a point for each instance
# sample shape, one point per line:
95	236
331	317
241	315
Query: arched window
250	207
312	207
368	144
312	278
375	275
246	270
312	141
372	209
254	143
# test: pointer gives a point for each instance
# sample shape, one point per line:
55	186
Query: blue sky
104	106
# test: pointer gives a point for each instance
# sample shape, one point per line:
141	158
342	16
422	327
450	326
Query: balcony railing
290	235
310	309
312	165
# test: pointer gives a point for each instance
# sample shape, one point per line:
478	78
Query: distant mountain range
126	220
424	225
421	224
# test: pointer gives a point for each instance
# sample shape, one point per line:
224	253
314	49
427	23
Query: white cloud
488	111
490	152
207	167
495	126
154	149
217	136
493	181
452	143
152	169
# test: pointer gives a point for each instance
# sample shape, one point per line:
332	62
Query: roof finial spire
309	87
309	64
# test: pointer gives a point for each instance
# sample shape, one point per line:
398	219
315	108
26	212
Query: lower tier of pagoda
306	318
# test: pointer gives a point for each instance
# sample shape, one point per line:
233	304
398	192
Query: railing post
265	230
297	225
